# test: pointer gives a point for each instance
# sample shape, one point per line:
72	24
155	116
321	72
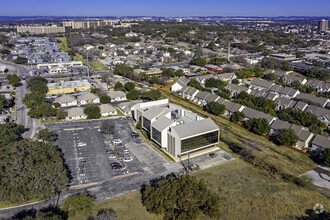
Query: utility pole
229	51
87	65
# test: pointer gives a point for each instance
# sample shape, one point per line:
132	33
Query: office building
322	26
68	86
89	24
175	129
40	29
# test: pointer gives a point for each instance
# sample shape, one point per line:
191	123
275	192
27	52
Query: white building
175	129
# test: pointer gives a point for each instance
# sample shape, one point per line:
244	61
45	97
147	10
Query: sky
170	8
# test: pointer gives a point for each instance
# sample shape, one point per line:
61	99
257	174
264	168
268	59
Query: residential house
304	137
288	79
75	113
312	98
190	93
200	97
260	84
202	78
283	103
322	113
117	96
277	125
227	77
107	110
179	84
319	144
300	106
252	113
66	100
126	106
236	89
88	98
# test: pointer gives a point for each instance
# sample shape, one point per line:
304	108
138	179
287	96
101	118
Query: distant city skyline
168	8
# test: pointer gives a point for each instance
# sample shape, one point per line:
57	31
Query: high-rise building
323	25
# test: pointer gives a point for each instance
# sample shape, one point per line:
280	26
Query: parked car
134	134
193	167
112	155
128	159
115	165
212	155
128	117
126	151
117	141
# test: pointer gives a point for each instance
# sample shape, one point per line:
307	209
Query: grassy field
127	207
95	64
281	158
245	193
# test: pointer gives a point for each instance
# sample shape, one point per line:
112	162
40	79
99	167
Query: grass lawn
127	207
6	204
245	193
248	194
95	64
282	158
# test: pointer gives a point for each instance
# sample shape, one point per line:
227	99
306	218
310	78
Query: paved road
21	112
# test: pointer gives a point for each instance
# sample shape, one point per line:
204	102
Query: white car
80	144
126	151
127	159
117	141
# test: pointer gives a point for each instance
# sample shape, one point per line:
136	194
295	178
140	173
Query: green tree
181	198
61	114
271	76
46	135
21	60
92	111
122	69
119	86
106	214
218	61
235	81
152	95
5	51
139	125
198	61
194	83
258	125
238	116
34	99
38	84
287	136
10	132
129	86
13	79
105	99
133	95
56	104
42	111
30	170
326	157
3	102
80	203
215	108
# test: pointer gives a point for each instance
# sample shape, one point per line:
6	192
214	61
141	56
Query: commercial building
150	72
59	67
89	24
175	129
322	26
68	86
40	29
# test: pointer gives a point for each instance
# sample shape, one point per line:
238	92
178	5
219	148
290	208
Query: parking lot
89	155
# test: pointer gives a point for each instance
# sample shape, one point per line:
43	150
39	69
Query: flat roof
195	128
